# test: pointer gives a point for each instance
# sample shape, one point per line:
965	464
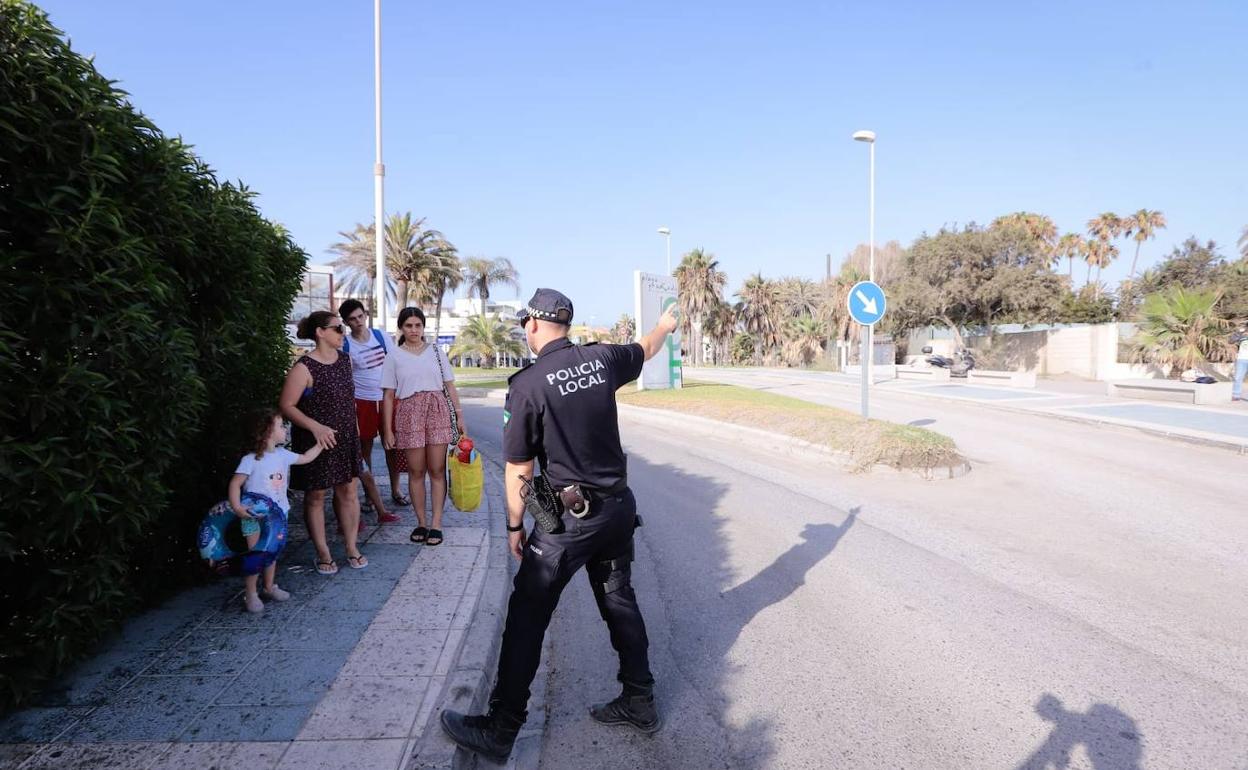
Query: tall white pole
668	238
870	351
379	180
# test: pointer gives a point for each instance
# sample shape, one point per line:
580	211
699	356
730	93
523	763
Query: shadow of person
1110	737
778	580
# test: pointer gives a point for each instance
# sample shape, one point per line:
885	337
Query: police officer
561	412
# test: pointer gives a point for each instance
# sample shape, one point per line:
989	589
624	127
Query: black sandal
419	535
400	500
434	534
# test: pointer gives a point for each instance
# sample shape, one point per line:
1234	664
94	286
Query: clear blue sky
562	134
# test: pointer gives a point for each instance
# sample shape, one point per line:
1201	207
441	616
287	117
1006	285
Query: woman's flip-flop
400	500
434	535
357	562
326	567
418	535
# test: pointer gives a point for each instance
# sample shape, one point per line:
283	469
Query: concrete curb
468	684
776	443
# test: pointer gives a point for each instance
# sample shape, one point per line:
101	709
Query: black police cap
548	305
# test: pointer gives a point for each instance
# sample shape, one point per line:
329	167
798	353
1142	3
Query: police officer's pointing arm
653	342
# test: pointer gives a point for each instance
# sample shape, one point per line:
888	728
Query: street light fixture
667	233
868	334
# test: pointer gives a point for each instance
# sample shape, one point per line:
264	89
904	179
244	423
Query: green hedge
144	310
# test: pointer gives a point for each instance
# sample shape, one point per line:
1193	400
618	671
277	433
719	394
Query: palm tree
1071	246
699	285
624	329
720	324
414	255
418	257
1099	254
356	266
757	311
1142	226
1106	227
1103	229
804	338
481	273
486	336
799	297
1181	328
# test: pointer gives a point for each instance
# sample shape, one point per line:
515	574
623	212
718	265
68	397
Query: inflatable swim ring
223	547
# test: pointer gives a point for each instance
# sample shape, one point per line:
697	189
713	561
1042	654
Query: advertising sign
652	295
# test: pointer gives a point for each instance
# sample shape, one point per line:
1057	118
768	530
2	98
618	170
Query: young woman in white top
420	424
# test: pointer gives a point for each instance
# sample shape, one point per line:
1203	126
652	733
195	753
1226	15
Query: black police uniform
561	411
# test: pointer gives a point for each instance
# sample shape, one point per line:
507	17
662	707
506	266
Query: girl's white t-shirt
269	475
406	373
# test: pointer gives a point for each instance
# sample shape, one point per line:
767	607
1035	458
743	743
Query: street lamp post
868	332
379	178
667	234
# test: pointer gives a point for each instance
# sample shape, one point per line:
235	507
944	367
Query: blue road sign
867	303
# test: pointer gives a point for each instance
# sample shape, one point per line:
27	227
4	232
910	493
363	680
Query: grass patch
480	384
867	443
478	373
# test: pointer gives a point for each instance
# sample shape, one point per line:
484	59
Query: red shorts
368	417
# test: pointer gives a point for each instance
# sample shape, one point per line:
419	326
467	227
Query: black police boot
637	710
491	735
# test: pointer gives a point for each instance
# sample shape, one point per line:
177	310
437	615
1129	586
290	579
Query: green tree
803	340
744	349
975	277
1142	226
481	273
1181	328
1037	228
699	285
1191	265
757	311
487	337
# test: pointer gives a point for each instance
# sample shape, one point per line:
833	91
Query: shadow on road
707	609
1110	737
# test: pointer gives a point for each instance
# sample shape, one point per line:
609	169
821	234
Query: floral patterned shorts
421	419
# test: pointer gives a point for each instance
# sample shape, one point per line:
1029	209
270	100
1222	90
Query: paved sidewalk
349	673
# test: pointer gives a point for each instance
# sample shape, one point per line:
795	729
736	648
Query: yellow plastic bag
465	481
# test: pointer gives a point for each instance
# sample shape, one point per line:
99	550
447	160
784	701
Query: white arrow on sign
868	304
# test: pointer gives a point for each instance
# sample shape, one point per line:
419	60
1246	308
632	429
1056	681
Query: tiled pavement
348	673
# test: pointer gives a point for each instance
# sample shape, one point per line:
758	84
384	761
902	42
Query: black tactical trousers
602	542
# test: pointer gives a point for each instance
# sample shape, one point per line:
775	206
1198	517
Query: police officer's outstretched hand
516	540
670	319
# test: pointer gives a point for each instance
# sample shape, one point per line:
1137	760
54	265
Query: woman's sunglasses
336	327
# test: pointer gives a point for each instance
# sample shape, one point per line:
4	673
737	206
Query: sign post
866	306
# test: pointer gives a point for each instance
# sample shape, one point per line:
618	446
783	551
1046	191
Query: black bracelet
519	528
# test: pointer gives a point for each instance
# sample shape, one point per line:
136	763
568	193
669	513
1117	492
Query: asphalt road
1076	601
